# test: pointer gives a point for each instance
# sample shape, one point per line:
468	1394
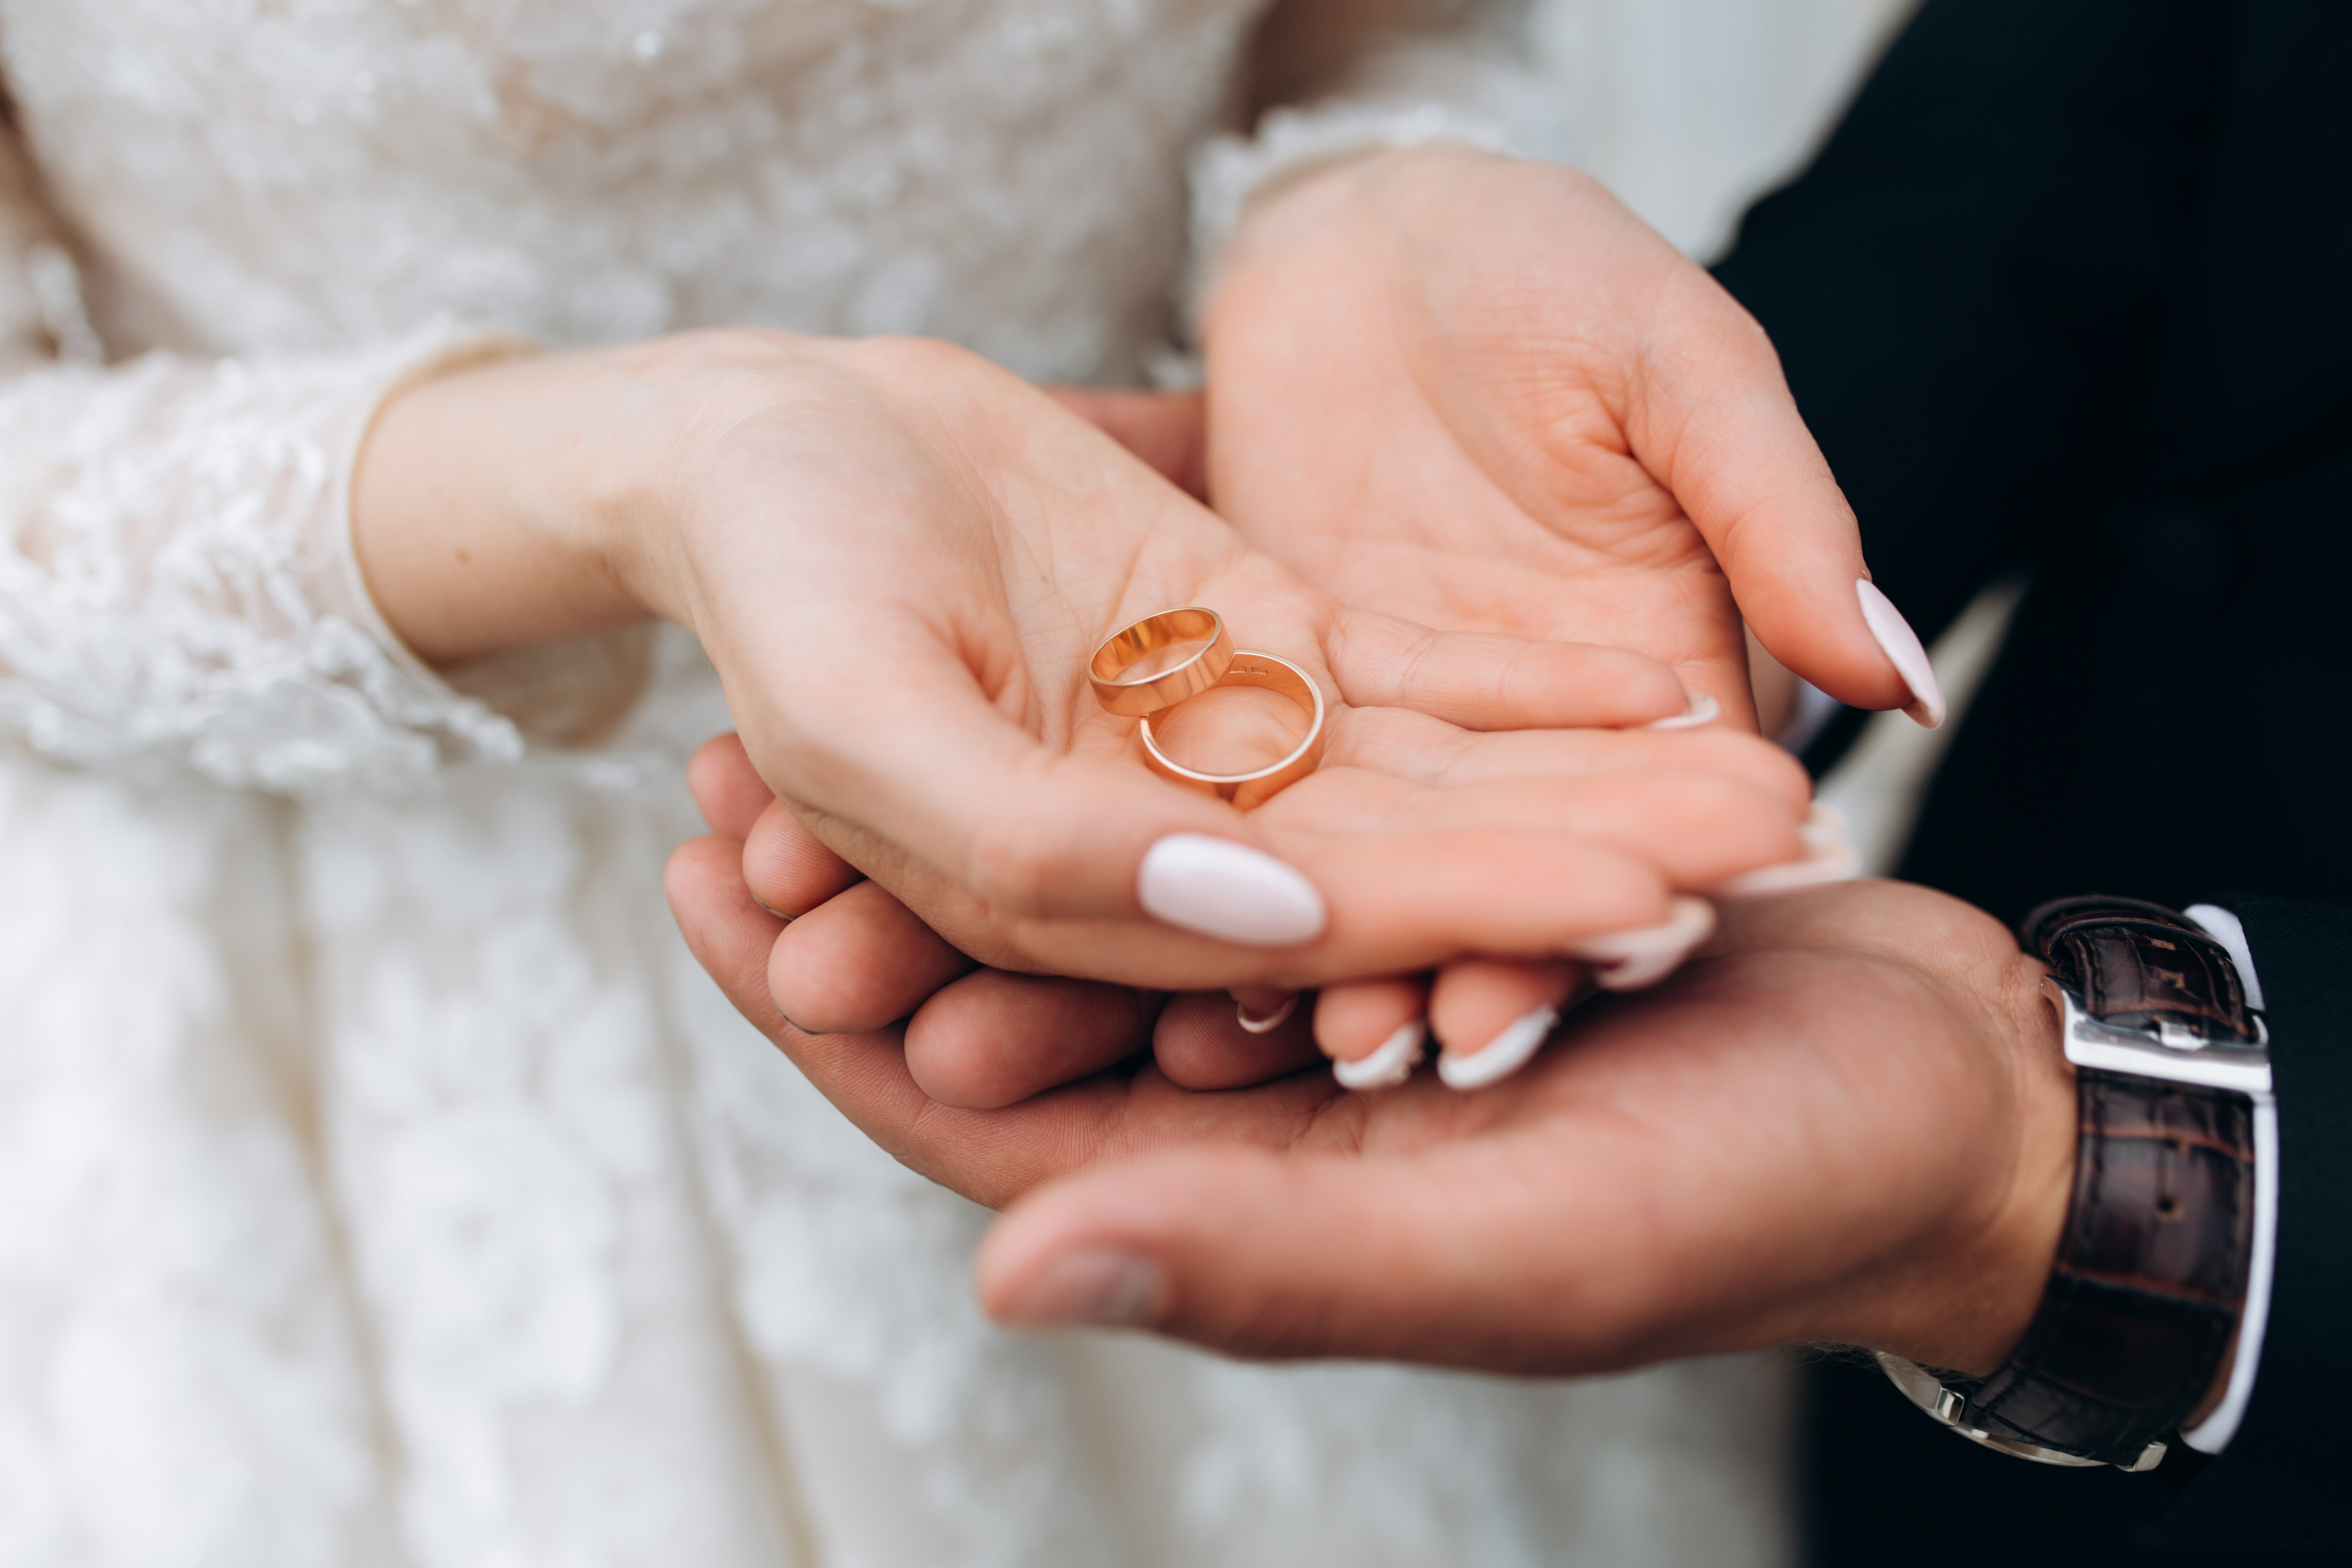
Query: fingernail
1902	647
1098	1287
1501	1057
771	908
1225	889
1829	857
1390	1065
1629	960
1703	710
1268	1023
1824	825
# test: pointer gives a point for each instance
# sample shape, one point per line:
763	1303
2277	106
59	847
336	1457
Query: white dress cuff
1228	170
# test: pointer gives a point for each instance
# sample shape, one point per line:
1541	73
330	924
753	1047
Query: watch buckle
2172	1052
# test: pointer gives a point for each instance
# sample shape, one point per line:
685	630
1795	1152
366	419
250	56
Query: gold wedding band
1161	686
1252	668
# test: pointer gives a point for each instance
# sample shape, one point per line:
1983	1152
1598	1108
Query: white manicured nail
1824	825
1703	710
1225	889
1629	960
1829	857
1501	1057
1903	649
1388	1066
1272	1021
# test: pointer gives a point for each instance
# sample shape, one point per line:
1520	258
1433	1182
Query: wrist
523	501
1964	1296
2018	1246
2160	1255
1348	201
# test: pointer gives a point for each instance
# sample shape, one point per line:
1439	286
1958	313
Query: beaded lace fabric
380	1182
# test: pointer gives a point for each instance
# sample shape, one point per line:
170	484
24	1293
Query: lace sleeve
1392	73
177	587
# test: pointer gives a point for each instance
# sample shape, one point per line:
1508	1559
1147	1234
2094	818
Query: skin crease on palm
1879	1048
1512	454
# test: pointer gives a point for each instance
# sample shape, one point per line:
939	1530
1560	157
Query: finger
1635	960
1167	430
1374	1031
1491	1017
1829	856
1695	830
1252	1253
1712	416
1199	1043
729	933
727	789
788	869
1487	890
1413	746
857	962
994	1039
931	768
1487	681
1261	1009
990	1157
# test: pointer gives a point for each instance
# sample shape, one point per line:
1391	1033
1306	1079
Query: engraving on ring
1258	785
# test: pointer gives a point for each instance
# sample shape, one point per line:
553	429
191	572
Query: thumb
891	740
1713	418
1259	1254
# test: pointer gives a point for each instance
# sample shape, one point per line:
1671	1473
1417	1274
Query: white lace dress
380	1182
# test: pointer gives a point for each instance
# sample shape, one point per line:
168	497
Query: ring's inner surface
1154	646
1160	660
1231	730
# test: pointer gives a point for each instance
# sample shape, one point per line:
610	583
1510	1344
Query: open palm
1478	393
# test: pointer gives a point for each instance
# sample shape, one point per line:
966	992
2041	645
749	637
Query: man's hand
1848	1121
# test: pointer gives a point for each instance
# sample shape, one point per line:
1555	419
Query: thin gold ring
1252	668
1164	688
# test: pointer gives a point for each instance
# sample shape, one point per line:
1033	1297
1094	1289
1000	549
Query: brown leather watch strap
2140	965
2150	1274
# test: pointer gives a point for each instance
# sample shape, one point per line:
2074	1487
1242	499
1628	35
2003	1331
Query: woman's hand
899	558
1476	391
1533	816
1848	1119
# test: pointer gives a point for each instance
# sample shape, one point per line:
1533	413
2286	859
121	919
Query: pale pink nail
1703	710
1829	857
1629	959
1098	1287
1390	1064
1904	651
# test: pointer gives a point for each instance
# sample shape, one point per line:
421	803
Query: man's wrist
2159	1255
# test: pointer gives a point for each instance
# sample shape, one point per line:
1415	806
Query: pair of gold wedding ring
1133	679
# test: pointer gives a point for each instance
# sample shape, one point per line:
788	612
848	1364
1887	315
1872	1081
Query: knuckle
1011	866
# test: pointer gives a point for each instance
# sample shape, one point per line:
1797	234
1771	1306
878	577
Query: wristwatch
2171	1069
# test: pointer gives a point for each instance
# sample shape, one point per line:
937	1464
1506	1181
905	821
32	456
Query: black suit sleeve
1979	264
